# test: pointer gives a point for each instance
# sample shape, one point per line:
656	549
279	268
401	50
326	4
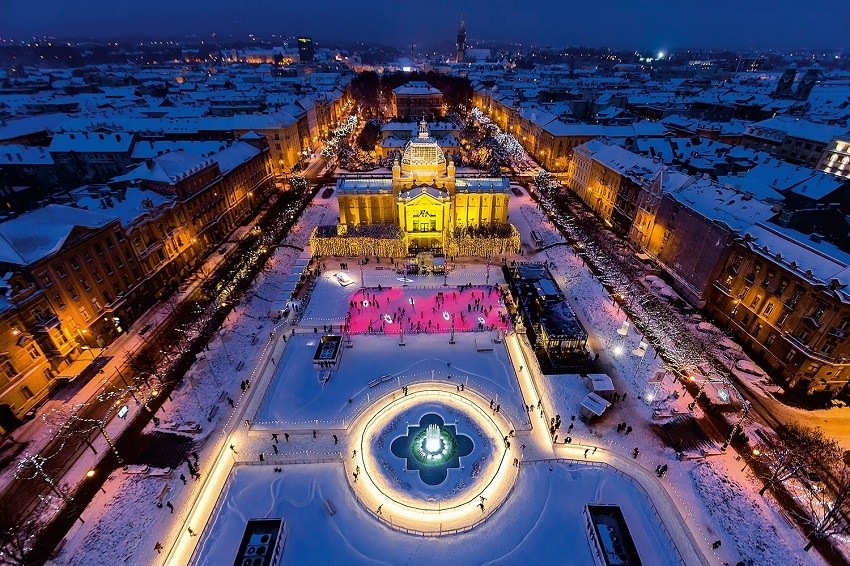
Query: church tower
461	41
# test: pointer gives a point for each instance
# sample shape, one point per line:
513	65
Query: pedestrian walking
158	547
716	544
498	407
628	430
354	455
314	433
286	436
491	404
234	450
336	441
635	453
170	506
274	447
262	458
230	402
379	509
274	437
586	451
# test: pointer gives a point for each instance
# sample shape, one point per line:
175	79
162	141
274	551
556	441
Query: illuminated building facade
424	197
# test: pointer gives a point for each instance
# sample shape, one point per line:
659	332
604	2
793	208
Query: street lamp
756	453
90	474
83	341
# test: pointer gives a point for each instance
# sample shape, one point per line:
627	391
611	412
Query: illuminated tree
829	506
793	448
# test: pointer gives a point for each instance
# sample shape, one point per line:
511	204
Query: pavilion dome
423	150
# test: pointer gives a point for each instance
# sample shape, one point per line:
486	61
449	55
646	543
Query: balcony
838	333
811	321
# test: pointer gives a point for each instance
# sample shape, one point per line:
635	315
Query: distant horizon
619	24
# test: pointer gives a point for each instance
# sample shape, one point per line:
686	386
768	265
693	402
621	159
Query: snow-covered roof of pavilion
423	149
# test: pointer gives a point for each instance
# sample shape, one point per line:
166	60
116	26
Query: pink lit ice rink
426	310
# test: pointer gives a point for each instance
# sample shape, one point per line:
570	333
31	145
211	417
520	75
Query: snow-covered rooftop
33	236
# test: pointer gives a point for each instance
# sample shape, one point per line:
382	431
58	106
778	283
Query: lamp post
756	453
90	474
84	343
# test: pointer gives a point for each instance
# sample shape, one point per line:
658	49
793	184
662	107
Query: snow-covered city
276	300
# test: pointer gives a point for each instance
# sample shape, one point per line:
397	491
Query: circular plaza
434	459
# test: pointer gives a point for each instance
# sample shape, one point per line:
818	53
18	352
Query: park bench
330	507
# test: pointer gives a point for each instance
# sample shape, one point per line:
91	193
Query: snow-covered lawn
297	399
540	523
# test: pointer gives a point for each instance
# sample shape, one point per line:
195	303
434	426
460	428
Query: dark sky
647	24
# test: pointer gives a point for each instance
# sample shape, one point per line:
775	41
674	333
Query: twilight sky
647	24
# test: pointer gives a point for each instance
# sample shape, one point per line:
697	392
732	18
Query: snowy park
312	444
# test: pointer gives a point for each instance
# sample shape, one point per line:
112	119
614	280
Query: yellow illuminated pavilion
423	197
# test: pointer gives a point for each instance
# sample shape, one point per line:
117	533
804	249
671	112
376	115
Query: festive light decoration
503	146
376	240
334	144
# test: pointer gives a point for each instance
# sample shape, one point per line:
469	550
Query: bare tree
17	537
828	508
794	447
63	421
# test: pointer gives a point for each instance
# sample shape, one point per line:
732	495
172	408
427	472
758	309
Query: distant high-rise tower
305	49
786	83
461	41
807	83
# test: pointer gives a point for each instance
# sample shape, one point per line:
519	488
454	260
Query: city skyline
670	25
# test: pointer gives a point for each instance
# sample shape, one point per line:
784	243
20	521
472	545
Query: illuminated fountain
433	444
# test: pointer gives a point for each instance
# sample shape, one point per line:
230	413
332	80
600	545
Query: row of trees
803	462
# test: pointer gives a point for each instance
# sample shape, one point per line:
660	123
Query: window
26	393
783	284
790	355
768	308
768	277
770	339
746	320
63	273
84	312
803	335
109	243
757	331
75	265
45	280
782	318
33	352
818	312
829	347
96	304
8	369
755	302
